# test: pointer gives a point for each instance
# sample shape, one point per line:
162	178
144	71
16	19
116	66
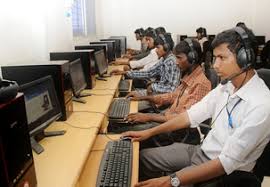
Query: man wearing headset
194	86
240	112
146	62
166	69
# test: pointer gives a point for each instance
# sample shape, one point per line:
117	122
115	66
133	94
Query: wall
122	17
262	18
32	28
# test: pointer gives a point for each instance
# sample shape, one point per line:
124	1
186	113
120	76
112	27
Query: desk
65	159
90	172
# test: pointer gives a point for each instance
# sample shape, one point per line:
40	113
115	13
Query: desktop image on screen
42	108
78	81
101	64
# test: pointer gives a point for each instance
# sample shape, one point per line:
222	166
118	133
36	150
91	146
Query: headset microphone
225	81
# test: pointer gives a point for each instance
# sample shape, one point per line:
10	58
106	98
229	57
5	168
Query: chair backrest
212	76
265	75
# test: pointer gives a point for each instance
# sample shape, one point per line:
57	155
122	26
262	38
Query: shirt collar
244	91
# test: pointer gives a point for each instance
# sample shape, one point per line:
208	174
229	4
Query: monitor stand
78	98
37	147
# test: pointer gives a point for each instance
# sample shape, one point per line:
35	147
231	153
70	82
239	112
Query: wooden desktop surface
64	161
90	172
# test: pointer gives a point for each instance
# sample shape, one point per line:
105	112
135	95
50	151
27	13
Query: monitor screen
123	43
78	82
260	40
41	103
101	63
110	49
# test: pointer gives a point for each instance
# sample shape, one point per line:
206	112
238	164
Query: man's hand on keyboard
138	117
117	72
134	96
156	182
138	135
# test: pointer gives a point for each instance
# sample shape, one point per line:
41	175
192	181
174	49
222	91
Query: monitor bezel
40	124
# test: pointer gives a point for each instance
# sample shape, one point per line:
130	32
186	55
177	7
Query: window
83	17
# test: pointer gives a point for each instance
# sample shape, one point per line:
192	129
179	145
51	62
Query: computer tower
87	59
59	70
95	47
16	159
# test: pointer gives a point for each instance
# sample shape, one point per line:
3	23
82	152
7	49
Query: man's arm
203	172
193	175
180	122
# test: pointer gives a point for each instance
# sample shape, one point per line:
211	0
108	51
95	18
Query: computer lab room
135	93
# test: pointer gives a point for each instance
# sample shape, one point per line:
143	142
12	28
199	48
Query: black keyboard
124	85
119	108
116	165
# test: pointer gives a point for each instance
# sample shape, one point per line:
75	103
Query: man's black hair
168	38
140	32
202	31
239	24
183	47
234	41
160	30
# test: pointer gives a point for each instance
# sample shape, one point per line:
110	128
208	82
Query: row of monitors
41	98
260	39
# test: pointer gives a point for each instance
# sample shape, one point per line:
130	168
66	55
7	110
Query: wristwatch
175	182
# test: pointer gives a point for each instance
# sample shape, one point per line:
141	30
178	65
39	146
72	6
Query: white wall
122	17
262	18
32	28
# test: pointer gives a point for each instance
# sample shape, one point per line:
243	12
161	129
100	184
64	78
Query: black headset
245	55
166	44
8	90
192	55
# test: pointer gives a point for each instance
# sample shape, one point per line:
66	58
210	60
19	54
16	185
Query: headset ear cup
242	58
8	91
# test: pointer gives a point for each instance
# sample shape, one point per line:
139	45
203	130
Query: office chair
261	169
211	75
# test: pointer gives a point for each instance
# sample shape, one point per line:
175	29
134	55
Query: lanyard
230	112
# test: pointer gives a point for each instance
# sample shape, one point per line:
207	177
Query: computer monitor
78	81
111	51
123	43
95	47
101	64
42	108
117	46
260	40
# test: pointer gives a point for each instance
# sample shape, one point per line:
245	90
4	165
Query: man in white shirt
147	62
240	112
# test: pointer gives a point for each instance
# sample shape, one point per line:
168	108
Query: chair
265	75
261	169
212	76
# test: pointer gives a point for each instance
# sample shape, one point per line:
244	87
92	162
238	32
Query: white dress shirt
146	62
237	147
